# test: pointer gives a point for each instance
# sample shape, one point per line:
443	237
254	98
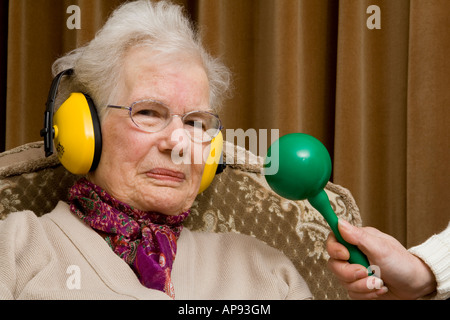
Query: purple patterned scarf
147	241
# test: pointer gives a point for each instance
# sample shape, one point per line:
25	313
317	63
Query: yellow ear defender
214	163
76	133
75	129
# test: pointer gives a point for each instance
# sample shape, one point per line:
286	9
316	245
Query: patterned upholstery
238	200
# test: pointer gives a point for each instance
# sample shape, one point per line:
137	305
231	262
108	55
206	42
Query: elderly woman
121	234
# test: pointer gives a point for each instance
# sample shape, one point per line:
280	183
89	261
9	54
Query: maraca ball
304	166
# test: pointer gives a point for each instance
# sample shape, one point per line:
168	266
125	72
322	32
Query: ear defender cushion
78	138
214	158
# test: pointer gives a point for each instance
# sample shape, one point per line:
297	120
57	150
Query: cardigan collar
96	251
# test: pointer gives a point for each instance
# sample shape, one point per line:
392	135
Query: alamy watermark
256	142
374	281
73	281
74	20
372	22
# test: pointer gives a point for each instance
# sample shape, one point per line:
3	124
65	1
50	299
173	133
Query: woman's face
136	167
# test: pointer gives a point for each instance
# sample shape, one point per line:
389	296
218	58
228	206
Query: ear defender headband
75	130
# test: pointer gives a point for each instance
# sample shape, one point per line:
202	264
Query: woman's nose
175	137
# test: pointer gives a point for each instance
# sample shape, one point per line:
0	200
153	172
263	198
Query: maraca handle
322	204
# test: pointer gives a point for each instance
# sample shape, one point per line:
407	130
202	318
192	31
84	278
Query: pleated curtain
369	78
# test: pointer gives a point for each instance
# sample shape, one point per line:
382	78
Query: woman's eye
195	124
146	112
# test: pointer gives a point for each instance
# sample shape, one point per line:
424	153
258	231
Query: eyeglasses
153	116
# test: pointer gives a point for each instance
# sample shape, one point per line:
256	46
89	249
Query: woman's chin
167	200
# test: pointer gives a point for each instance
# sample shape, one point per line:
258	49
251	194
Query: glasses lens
149	115
201	126
153	116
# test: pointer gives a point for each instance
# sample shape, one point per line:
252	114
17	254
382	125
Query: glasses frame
172	115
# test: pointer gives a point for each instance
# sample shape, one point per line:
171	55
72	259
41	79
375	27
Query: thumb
354	235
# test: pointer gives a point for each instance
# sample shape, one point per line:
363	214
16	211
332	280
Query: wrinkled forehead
179	81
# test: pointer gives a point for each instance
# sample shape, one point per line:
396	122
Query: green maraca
304	168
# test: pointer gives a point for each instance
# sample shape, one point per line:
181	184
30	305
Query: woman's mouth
166	174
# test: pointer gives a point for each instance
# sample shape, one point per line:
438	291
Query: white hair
161	26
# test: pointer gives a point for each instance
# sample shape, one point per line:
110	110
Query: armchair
239	200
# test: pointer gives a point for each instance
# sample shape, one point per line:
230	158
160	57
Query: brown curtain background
378	99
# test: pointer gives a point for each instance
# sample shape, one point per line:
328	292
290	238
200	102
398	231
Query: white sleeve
435	252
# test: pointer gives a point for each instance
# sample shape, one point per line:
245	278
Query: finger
363	296
345	271
365	285
335	249
366	288
374	294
